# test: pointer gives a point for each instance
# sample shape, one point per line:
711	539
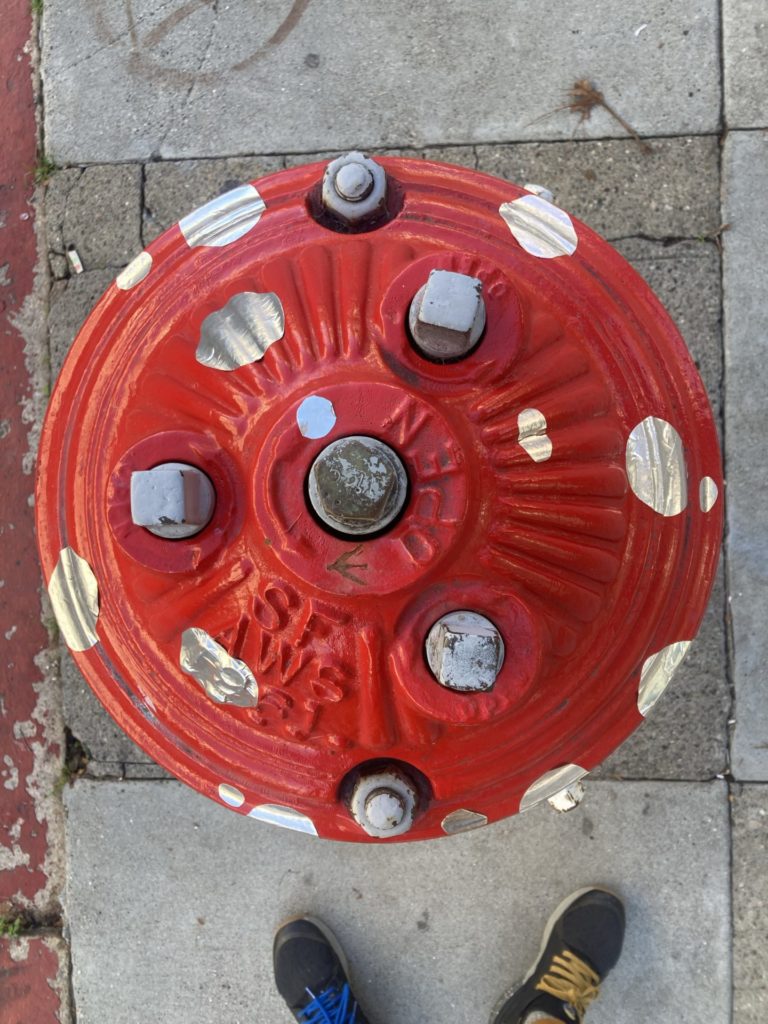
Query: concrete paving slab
173	188
179	79
71	300
617	188
686	734
98	211
745	63
750	903
110	751
172	902
745	179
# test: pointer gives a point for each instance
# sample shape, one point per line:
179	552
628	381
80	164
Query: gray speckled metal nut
384	803
447	315
357	485
173	500
465	651
354	188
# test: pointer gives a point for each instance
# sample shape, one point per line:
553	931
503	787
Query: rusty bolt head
354	188
383	803
465	651
357	485
173	500
447	315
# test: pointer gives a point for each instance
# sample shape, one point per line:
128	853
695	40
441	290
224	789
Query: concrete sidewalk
151	109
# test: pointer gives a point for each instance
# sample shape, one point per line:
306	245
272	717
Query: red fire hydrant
379	500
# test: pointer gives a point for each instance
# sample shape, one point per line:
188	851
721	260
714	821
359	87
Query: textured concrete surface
179	79
750	903
98	211
745	177
745	63
686	734
34	984
435	931
617	188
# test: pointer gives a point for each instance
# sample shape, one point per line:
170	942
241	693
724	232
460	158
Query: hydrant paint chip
657	673
321	476
225	219
315	417
135	272
541	228
241	331
231	795
225	679
707	494
283	817
74	595
656	466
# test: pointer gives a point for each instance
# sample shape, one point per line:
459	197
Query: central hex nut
465	651
357	485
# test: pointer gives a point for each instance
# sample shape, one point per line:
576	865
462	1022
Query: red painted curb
23	723
29	970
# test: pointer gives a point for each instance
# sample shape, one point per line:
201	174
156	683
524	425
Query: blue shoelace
332	1006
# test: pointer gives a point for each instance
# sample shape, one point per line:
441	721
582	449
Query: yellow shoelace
571	981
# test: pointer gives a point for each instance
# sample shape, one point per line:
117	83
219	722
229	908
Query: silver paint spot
231	795
656	673
225	679
707	494
532	434
567	799
551	783
656	466
74	594
283	817
241	331
541	228
136	271
316	417
462	821
224	219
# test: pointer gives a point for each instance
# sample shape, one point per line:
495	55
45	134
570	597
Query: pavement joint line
383	151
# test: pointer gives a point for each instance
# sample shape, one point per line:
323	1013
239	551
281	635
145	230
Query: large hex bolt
354	188
173	500
465	651
447	315
383	803
357	485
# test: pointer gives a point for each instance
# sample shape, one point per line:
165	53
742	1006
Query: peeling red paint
24	732
30	970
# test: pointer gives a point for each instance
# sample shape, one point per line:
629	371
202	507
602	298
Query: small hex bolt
465	651
354	188
383	803
357	485
173	500
447	315
569	798
540	190
353	182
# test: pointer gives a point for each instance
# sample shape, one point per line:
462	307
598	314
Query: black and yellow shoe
582	942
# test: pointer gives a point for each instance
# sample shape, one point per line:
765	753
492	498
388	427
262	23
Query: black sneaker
311	974
582	942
